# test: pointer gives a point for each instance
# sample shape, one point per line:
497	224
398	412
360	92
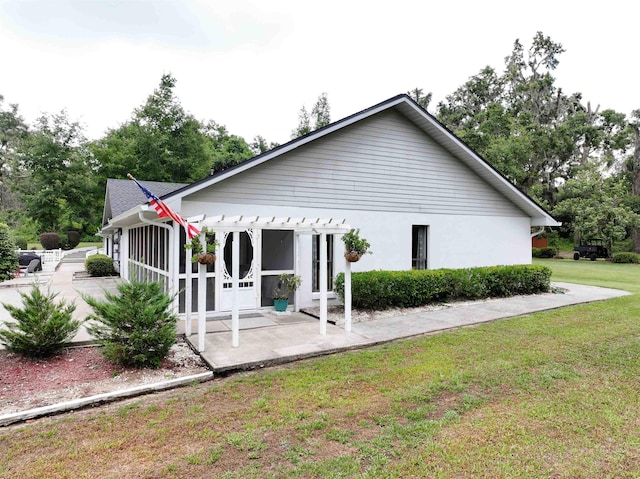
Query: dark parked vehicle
592	249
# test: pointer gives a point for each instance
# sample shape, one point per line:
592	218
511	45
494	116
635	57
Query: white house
422	198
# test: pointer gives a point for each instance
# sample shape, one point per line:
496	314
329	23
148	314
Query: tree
525	126
58	187
595	205
320	114
13	130
225	150
161	142
260	145
420	98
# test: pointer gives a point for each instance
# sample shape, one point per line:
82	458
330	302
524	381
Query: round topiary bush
99	265
74	238
20	242
50	240
626	258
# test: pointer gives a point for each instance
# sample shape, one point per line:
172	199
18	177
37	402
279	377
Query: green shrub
385	289
547	252
74	238
50	240
65	244
42	327
21	243
91	239
626	258
99	265
8	256
136	326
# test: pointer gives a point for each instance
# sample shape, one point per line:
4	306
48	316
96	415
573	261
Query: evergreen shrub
99	265
8	255
42	328
547	252
386	289
50	240
21	243
136	326
74	238
626	258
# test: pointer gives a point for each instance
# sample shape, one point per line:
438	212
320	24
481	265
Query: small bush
42	328
547	252
74	238
136	326
21	243
626	258
65	244
8	256
50	240
99	265
385	289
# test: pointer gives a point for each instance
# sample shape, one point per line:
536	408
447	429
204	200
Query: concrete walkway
269	339
60	281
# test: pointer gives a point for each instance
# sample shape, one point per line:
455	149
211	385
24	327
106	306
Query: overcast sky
251	65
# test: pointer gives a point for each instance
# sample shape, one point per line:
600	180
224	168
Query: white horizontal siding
384	163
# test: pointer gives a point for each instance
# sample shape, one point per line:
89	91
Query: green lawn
596	273
547	395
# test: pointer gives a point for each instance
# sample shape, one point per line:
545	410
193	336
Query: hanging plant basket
352	256
206	258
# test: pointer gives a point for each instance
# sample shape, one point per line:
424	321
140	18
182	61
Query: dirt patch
81	372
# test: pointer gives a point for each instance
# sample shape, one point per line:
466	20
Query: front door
247	269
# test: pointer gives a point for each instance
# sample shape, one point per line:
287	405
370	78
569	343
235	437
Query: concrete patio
267	339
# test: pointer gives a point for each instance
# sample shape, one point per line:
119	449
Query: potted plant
286	284
355	246
197	252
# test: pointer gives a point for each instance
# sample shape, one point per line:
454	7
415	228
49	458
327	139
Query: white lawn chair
31	268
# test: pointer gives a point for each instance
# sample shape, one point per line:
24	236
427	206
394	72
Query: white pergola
238	224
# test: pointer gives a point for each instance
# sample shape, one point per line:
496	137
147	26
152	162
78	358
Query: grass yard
548	395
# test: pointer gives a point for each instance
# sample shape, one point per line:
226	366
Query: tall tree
524	125
160	142
422	99
59	186
320	117
13	130
224	149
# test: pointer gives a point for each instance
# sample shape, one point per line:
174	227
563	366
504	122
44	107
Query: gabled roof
423	120
123	195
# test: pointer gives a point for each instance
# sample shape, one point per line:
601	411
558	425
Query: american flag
165	212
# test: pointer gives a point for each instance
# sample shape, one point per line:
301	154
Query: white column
347	297
202	299
296	271
323	283
235	285
188	293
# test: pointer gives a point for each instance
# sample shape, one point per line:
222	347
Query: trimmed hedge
385	289
74	238
626	258
547	252
50	240
99	265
